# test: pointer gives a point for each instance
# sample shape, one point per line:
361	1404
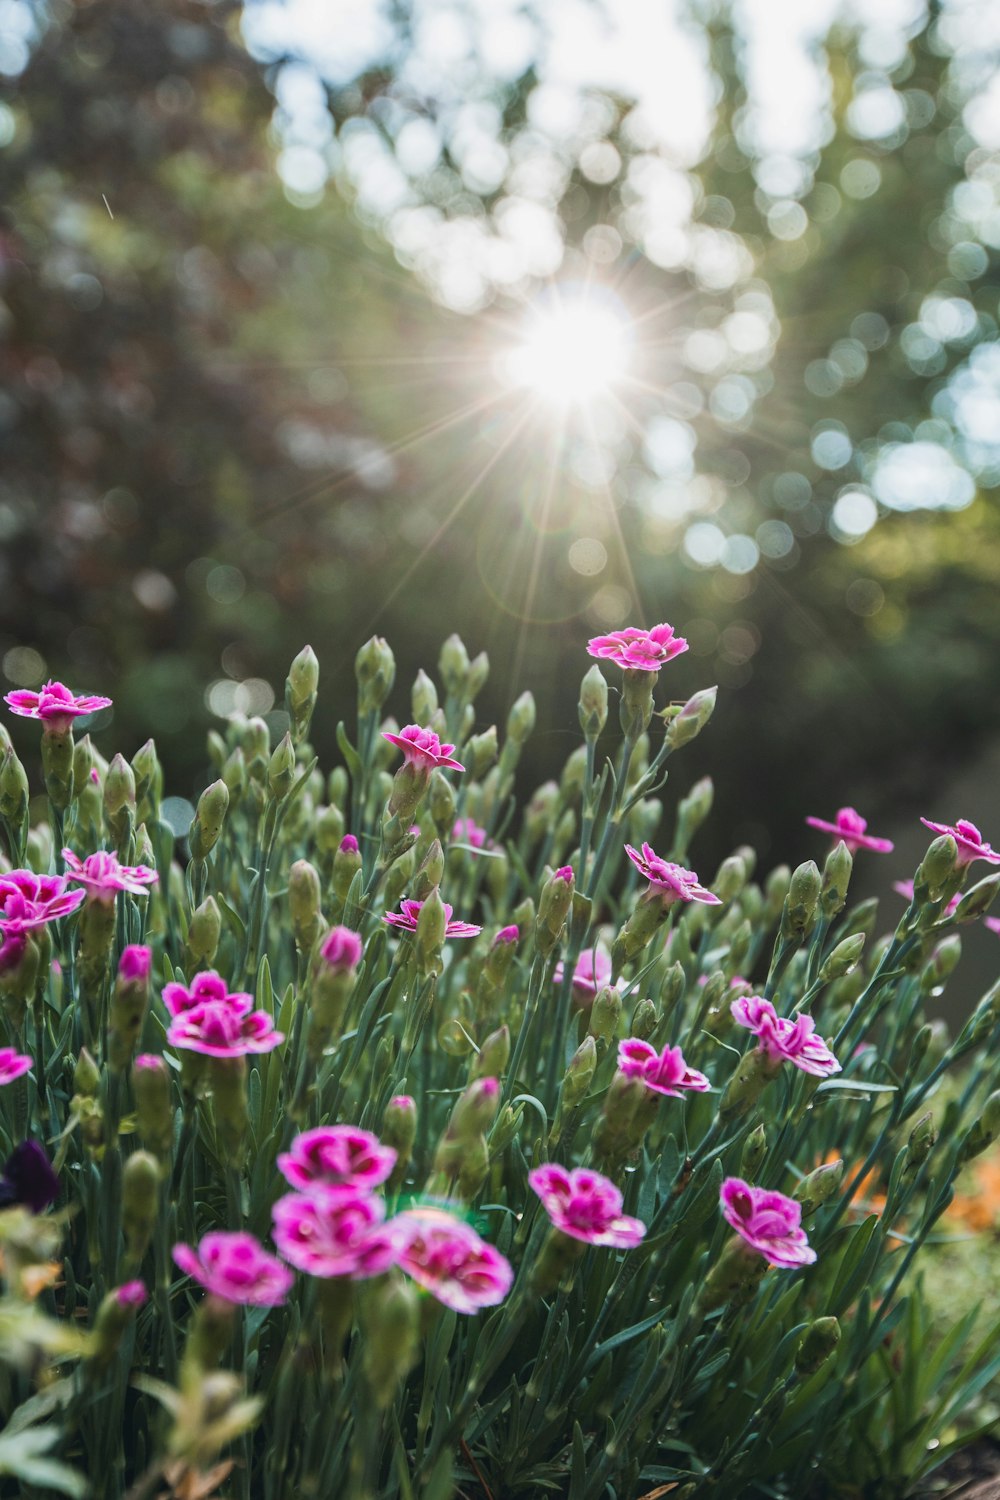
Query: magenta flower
468	831
334	1230
342	949
592	973
132	1293
337	1154
768	1222
586	1206
638	650
135	964
905	889
509	934
103	877
421	747
968	839
993	923
447	1258
665	1072
408	917
54	705
672	881
235	1267
850	826
205	987
224	1028
13	1064
782	1039
28	900
348	845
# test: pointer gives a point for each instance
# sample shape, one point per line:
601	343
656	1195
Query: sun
573	349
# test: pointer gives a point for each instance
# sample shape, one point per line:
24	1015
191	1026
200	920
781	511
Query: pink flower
12	950
672	881
564	872
905	889
135	964
348	844
208	986
850	826
54	705
13	1064
421	747
28	900
104	877
447	1258
586	1206
509	934
342	949
993	923
783	1040
151	1062
236	1267
132	1293
592	973
334	1230
768	1221
224	1028
665	1072
468	831
969	841
336	1154
638	650
408	917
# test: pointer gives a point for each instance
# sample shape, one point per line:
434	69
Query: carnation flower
507	935
224	1028
103	877
586	1206
468	831
342	948
334	1230
132	1293
28	900
204	987
592	973
447	1258
348	844
783	1039
672	881
638	650
665	1072
421	747
13	1064
235	1267
54	705
408	917
850	826
135	964
968	840
337	1154
768	1222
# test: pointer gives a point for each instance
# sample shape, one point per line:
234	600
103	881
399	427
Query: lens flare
573	350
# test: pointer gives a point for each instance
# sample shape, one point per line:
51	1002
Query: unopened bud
843	959
521	719
86	1075
978	900
14	789
300	692
936	868
140	1193
754	1152
281	769
801	901
836	879
304	904
234	774
819	1186
579	1074
153	1112
775	891
983	1133
693	809
399	1129
329	830
745	1086
441	804
453	664
593	705
921	1142
816	1345
480	752
554	906
605	1014
204	931
476	1108
129	1003
119	797
346	864
115	1313
375	670
390	1319
423	698
730	879
148	779
429	939
208	820
692	718
944	959
643	1020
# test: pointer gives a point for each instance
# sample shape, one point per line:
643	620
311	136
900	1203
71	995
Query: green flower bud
921	1142
453	664
819	1186
983	1133
936	869
521	719
593	705
423	698
605	1014
836	879
86	1075
623	1122
643	1020
338	787
579	1074
475	1109
346	864
304	905
204	931
693	809
389	1314
524	915
816	1345
775	891
672	989
843	959
944	961
234	774
430	873
479	671
745	1086
399	1130
801	902
140	1195
494	1055
441	804
429	938
119	797
506	1128
553	908
754	1152
733	1279
39	849
978	900
375	670
281	769
129	1003
684	725
300	692
861	919
328	830
480	752
148	781
153	1111
228	1078
209	817
730	879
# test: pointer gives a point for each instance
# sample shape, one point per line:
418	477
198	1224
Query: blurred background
528	319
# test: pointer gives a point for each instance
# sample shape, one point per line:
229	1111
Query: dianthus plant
367	1135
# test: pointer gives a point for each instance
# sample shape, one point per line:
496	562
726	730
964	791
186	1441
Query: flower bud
579	1074
553	908
441	804
693	809
861	919
843	959
140	1194
300	692
328	830
730	879
816	1346
304	905
506	1128
944	961
593	705
978	900
346	864
453	664
129	1003
14	789
672	989
775	891
494	1055
148	780
801	902
481	752
209	817
428	876
521	719
234	774
605	1014
281	769
114	1314
754	1152
745	1086
475	1109
479	671
620	1127
429	937
389	1315
375	670
86	1075
935	869
836	879
399	1130
119	798
204	931
818	1187
685	725
983	1133
921	1142
153	1112
229	1100
635	707
733	1279
423	698
644	1020
524	914
540	813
